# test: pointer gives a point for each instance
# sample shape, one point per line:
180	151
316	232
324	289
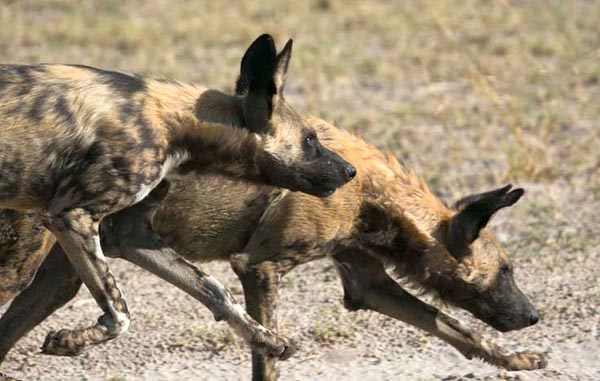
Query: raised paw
273	345
63	343
526	361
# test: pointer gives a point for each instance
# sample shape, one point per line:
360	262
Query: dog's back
49	117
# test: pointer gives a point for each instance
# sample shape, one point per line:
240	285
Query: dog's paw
273	345
526	361
63	343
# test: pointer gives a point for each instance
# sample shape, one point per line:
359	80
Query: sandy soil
471	94
172	337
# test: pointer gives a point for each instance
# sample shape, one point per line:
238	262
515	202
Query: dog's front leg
367	286
77	232
261	285
56	282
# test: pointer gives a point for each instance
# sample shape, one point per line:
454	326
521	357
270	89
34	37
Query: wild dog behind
386	217
79	143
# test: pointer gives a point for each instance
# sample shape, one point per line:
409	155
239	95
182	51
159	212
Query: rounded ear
281	67
257	67
262	76
474	213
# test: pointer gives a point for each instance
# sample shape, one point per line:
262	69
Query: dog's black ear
257	67
281	67
474	213
261	81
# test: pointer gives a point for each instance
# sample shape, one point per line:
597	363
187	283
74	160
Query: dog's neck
222	147
168	98
204	126
406	197
400	222
217	107
399	215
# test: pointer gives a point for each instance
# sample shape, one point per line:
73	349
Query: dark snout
534	317
349	171
507	308
319	174
503	305
327	173
337	169
519	319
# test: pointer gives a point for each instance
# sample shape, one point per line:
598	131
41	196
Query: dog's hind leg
77	232
128	234
367	286
54	285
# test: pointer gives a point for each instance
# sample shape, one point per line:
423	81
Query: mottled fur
79	143
386	216
20	256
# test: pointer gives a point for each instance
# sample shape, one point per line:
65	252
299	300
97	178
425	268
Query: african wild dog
386	217
79	143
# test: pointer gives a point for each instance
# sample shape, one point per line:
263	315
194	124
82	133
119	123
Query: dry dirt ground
470	94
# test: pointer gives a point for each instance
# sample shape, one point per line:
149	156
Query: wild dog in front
79	143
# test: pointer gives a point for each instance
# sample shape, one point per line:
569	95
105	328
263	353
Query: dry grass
512	86
471	94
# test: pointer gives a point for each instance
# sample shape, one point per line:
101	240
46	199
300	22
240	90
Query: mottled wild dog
79	143
385	217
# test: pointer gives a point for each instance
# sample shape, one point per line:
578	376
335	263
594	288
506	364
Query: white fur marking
121	323
173	161
144	191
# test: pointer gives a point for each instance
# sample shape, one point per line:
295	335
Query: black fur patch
26	79
38	109
131	112
8	234
299	246
4	81
261	201
11	169
62	109
128	110
146	132
126	84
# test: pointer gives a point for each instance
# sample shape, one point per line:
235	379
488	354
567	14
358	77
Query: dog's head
478	275
292	156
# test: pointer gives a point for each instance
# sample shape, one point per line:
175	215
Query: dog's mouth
317	187
325	193
510	325
500	326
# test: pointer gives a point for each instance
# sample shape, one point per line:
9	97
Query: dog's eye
310	138
505	268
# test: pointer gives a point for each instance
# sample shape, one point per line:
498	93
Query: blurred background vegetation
509	88
471	94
